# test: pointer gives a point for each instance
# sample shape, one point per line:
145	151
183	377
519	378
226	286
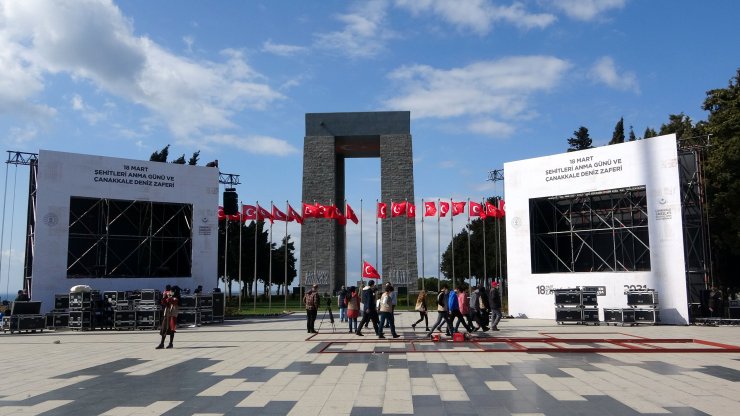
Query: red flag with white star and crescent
369	272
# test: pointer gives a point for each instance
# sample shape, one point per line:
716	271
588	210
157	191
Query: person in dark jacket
370	310
312	301
495	300
341	301
481	308
442	312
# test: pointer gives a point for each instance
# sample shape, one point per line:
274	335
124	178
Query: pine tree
180	160
160	156
649	132
194	159
618	135
580	140
632	135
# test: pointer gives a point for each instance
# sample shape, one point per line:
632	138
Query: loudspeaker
231	202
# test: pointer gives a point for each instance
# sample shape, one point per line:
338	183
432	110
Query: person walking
353	308
394	301
370	311
421	307
341	301
454	309
481	308
312	300
386	311
442	312
495	301
463	299
171	306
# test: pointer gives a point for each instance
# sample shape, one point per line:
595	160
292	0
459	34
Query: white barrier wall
651	163
63	175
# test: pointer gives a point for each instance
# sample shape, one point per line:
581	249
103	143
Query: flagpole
452	240
241	225
470	274
285	241
376	236
439	251
360	239
256	216
406	240
269	274
226	252
423	286
390	264
485	217
332	250
346	246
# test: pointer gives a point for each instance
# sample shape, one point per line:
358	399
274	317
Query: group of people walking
474	311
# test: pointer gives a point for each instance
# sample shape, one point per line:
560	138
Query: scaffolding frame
604	231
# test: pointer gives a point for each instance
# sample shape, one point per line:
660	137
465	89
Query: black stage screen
123	238
590	232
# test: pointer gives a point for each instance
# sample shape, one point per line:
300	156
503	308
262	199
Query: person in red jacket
170	308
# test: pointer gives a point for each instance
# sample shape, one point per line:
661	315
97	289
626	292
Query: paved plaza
271	366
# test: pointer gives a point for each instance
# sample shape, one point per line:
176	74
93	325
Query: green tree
160	156
580	140
723	178
495	233
278	265
180	160
618	135
632	135
680	124
649	132
194	159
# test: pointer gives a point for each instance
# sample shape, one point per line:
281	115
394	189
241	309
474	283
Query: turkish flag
220	213
430	209
341	219
444	208
309	211
411	210
458	208
249	212
351	215
475	210
491	210
330	211
398	208
263	214
321	211
382	207
278	215
501	210
368	271
293	215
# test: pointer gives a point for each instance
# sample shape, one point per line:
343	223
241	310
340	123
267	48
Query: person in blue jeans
454	308
442	312
386	311
342	304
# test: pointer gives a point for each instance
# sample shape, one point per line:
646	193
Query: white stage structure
608	217
121	224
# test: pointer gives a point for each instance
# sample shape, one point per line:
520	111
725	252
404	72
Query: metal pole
485	270
269	273
423	286
470	274
439	247
452	240
255	255
241	225
285	283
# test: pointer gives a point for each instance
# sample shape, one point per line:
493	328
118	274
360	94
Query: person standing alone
312	300
341	301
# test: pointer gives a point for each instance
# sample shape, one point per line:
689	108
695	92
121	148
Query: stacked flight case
204	304
642	309
124	314
578	306
24	317
83	310
58	318
188	314
148	309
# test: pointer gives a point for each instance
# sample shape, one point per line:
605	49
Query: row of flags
397	209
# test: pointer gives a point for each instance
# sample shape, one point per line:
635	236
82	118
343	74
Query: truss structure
124	238
591	232
697	253
31	160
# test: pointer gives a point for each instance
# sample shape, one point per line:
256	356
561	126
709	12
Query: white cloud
263	145
92	41
282	49
498	89
491	128
88	113
587	9
22	135
447	164
605	71
477	15
364	33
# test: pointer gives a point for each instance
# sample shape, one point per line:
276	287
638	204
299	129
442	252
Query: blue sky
486	82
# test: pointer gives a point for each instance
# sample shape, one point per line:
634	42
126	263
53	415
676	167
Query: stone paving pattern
267	367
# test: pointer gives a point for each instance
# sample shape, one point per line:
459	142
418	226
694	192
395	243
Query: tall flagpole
390	264
470	273
452	240
439	251
485	217
361	240
406	239
226	253
285	283
256	216
423	213
269	287
376	236
241	225
346	246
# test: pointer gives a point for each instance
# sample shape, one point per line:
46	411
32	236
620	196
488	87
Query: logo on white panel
516	222
51	219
